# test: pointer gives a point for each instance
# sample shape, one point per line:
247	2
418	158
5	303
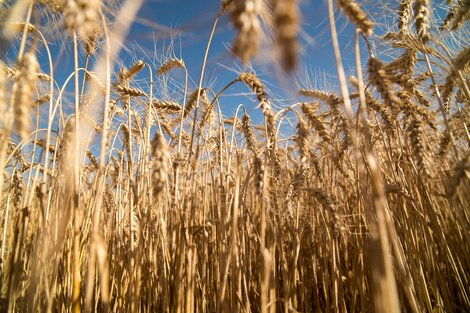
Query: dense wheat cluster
117	197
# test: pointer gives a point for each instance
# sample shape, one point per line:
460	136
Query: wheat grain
249	136
372	103
127	74
405	63
191	103
302	140
168	65
379	78
166	106
68	153
258	89
461	172
81	17
460	63
43	99
129	91
421	19
352	10
458	14
20	27
329	98
316	121
286	17
418	148
462	15
23	89
404	14
160	160
244	17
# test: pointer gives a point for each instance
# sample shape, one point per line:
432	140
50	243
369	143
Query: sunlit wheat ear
225	5
462	15
244	17
315	121
303	142
43	77
354	13
324	199
444	143
42	99
9	72
449	18
458	14
166	106
258	89
129	91
207	113
166	127
372	103
286	19
404	63
418	148
126	139
23	90
248	133
329	98
460	63
462	60
407	41
18	190
413	109
346	128
19	27
68	152
461	173
82	17
231	121
460	96
160	159
93	163
404	14
258	172
191	102
254	84
127	74
90	42
421	19
379	78
170	64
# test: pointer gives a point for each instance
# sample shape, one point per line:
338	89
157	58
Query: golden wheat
295	207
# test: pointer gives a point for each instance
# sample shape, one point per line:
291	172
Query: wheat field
351	199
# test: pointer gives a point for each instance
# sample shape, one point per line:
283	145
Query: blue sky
191	21
180	28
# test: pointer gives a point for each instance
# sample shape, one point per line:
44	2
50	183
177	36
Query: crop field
136	187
